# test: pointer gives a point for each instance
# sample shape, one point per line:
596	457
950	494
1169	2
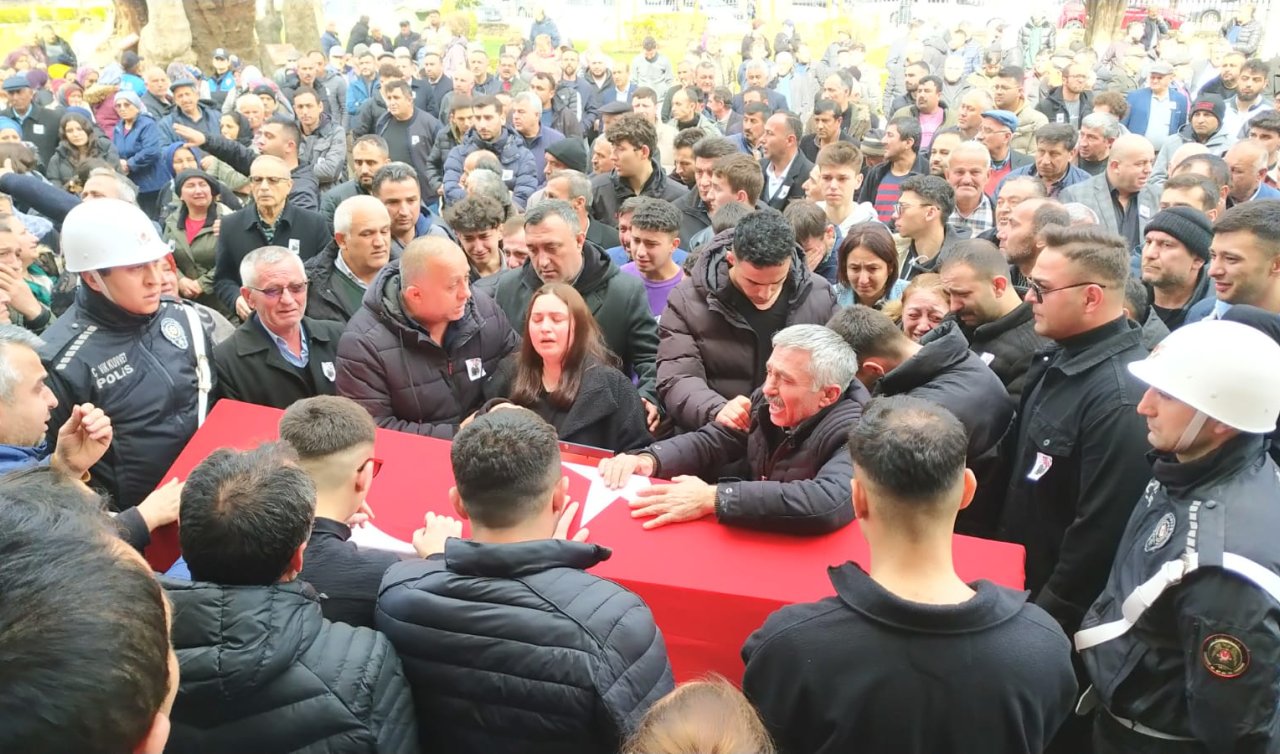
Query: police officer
143	359
1183	645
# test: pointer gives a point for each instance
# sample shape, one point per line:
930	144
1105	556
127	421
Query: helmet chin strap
1191	432
102	285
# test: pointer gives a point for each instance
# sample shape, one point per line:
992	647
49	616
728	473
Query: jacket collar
1236	454
1088	349
991	605
467	557
1011	321
98	308
254	339
331	527
938	356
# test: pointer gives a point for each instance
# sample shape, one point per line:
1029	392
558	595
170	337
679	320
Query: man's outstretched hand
82	441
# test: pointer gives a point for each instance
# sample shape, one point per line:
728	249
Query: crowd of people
1003	286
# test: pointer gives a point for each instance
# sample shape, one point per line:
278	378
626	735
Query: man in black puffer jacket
947	373
262	670
793	440
419	352
714	340
509	644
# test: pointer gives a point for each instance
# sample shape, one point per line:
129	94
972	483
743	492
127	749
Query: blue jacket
18	457
537	146
517	165
1140	110
545	26
142	148
1074	175
210	123
358	90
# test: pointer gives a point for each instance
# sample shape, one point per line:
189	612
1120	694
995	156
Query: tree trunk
131	16
222	23
300	25
1103	20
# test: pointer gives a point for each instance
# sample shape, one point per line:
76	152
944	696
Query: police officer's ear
92	280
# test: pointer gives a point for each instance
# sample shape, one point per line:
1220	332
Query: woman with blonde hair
701	717
924	303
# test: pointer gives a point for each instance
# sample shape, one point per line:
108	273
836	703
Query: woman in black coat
564	373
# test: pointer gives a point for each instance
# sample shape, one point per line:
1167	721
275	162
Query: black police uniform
139	369
1183	646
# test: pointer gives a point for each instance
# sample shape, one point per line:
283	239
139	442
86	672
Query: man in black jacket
368	155
793	444
410	134
946	372
907	657
510	644
262	669
559	252
272	220
1079	459
695	216
635	149
334	440
990	312
280	138
277	356
339	276
420	351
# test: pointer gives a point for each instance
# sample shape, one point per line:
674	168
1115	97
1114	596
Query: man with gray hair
526	119
945	371
278	355
338	277
1098	131
795	446
560	252
575	188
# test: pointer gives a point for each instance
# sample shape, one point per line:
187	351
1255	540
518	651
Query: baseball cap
220	54
1003	117
336	51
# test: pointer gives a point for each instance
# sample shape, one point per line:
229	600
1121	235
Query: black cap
570	151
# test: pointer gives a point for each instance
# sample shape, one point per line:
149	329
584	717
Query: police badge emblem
329	372
1161	534
173	332
1225	656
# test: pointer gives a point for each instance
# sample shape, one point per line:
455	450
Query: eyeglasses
270	179
274	293
900	206
377	465
1039	291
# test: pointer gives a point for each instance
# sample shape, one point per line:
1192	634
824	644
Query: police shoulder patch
1161	534
1225	656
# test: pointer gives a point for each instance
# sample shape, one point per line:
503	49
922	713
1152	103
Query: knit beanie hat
571	152
1188	225
1210	102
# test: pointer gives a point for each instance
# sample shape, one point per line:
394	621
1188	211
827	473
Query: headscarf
7	124
82	74
130	96
112	74
65	91
166	163
246	130
37	78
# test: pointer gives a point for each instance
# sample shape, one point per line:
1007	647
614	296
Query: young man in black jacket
907	657
510	644
334	438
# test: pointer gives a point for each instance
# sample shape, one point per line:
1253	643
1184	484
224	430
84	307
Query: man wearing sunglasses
277	356
1080	445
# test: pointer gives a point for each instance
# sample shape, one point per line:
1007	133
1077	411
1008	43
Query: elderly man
279	137
272	220
422	347
278	355
967	169
1119	196
793	439
189	111
1247	160
526	119
559	252
338	277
